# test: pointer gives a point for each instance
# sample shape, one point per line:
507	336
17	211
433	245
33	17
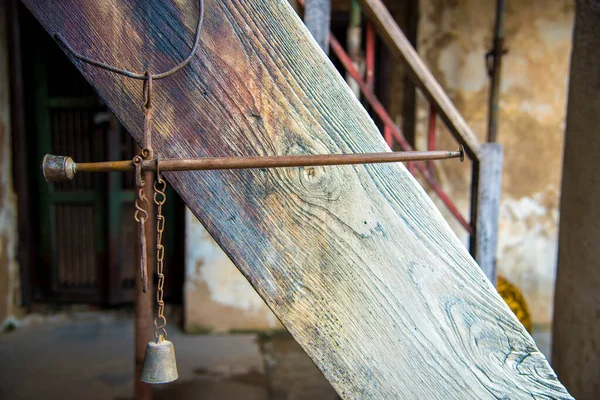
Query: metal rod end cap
58	168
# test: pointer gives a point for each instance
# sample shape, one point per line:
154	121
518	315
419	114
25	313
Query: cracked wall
453	37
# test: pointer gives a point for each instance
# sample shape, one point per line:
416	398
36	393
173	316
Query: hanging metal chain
160	197
141	202
141	216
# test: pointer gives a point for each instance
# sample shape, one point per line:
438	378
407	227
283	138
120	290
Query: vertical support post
144	301
317	18
370	55
20	145
354	45
114	213
494	64
431	131
487	188
409	103
576	326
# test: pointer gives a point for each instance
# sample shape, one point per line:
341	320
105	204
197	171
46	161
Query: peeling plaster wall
453	38
217	296
9	269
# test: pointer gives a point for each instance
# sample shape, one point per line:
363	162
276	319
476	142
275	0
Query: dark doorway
83	241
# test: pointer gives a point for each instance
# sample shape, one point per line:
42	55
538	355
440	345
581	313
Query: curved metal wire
142	76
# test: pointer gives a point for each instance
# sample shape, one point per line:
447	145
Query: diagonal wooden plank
356	261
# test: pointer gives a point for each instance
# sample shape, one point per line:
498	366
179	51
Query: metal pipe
370	55
431	135
494	65
317	18
354	44
60	168
355	14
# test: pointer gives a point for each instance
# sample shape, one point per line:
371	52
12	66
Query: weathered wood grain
400	46
356	261
488	208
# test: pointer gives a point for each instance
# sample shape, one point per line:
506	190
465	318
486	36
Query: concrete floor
90	356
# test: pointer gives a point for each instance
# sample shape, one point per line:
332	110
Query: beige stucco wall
453	39
217	296
9	271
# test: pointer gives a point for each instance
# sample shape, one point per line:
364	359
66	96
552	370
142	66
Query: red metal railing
391	131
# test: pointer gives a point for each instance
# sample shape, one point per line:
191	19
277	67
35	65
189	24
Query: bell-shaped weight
159	364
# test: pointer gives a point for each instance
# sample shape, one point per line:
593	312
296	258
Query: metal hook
147	152
61	40
141	215
147	92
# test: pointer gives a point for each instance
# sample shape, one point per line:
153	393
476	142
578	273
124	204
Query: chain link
141	216
160	186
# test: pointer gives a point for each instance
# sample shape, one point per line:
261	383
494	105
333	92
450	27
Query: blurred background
67	253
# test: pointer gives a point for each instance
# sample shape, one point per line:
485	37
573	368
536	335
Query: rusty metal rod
60	168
